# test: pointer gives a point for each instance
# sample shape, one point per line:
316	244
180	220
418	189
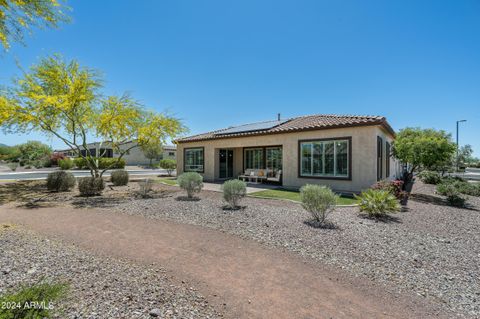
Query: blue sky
220	63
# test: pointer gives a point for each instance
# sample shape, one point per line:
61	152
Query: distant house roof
105	145
296	124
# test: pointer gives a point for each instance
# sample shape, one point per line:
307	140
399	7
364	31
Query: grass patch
295	196
167	180
32	301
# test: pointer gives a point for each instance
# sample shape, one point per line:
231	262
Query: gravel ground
430	249
100	287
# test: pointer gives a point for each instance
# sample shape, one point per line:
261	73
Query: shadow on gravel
23	191
387	219
187	199
428	199
326	225
96	202
435	200
233	209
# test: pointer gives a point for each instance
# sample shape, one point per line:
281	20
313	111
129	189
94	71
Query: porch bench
258	175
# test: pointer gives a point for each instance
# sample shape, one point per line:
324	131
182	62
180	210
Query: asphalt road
43	174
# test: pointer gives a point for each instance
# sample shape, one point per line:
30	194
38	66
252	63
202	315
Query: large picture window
254	158
194	160
325	158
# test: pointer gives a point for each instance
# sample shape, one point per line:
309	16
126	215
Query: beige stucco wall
364	143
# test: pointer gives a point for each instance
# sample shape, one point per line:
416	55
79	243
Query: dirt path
242	277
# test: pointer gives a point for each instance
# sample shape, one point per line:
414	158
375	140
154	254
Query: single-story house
135	156
345	152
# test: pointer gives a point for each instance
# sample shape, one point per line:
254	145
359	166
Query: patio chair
275	178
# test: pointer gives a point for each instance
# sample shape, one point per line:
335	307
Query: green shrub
233	191
377	203
191	182
90	186
319	201
452	193
462	186
430	177
41	294
111	163
80	163
65	164
60	181
169	164
103	162
37	163
119	178
13	166
46	162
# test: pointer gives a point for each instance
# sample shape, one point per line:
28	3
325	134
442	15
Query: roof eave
383	122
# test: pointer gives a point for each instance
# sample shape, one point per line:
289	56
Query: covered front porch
253	164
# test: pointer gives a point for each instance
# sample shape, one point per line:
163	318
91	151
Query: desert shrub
80	163
233	191
46	162
319	201
65	164
90	186
60	181
393	187
169	164
13	166
462	186
452	193
145	187
119	178
191	182
103	162
111	163
377	203
430	177
37	163
40	293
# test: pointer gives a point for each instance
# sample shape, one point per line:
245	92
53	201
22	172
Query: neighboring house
134	157
347	153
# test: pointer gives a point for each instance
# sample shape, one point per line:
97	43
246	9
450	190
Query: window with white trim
325	158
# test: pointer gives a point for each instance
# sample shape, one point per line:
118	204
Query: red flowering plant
394	187
55	157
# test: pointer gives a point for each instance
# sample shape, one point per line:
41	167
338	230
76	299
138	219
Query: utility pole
456	161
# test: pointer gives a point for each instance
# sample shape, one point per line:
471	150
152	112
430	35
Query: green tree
152	151
33	151
20	16
63	99
9	153
423	148
465	155
169	164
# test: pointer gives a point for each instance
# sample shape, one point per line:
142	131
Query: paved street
42	174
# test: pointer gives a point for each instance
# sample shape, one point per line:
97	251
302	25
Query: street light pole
457	144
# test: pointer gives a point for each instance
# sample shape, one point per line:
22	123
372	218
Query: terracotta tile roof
301	123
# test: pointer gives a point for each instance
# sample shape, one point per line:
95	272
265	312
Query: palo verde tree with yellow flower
20	16
63	99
